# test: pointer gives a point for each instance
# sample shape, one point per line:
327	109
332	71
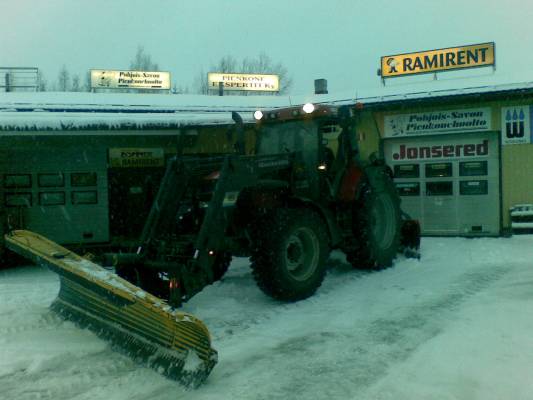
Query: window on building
439	188
52	198
79	179
408	188
16	181
438	170
478	187
473	168
407	171
51	180
84	197
18	200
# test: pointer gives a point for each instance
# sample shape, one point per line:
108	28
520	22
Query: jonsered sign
451	58
439	151
246	82
102	79
437	122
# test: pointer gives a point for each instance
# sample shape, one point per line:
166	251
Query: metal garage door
450	183
58	190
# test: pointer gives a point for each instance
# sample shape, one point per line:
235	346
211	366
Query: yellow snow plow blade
147	328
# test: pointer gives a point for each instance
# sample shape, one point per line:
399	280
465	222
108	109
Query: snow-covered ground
458	324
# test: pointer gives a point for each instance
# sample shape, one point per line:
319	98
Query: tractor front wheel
289	254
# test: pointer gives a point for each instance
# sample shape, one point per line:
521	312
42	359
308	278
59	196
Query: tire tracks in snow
33	319
344	363
64	376
429	318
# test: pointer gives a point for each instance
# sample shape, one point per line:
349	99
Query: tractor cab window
298	136
330	144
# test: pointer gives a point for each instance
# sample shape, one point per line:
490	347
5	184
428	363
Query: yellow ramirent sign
477	55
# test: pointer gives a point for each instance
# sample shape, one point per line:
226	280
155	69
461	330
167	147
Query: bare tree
143	61
200	83
76	87
42	82
178	89
63	79
87	84
263	64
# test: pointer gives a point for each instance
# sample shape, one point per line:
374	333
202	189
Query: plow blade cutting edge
176	344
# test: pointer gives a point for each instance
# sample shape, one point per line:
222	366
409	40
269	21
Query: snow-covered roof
101	111
393	92
76	111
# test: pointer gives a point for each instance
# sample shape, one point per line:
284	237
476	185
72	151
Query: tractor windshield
297	136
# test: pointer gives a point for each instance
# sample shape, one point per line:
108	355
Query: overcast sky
340	40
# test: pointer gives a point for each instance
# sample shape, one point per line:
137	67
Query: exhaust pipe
239	128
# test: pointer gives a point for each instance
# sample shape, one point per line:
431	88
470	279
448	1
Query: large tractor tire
289	254
377	227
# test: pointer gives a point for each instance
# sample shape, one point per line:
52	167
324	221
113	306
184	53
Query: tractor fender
356	177
378	177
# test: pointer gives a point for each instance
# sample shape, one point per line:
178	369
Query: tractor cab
315	138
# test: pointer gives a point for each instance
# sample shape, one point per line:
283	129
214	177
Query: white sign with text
437	122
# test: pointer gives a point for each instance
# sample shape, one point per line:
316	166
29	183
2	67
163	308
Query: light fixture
258	115
308	108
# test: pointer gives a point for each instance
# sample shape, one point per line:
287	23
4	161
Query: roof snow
102	111
25	111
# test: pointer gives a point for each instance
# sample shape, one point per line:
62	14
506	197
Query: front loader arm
237	173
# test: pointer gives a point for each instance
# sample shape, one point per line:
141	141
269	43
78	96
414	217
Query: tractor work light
258	115
308	108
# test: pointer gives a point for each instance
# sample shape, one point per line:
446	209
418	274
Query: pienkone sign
244	82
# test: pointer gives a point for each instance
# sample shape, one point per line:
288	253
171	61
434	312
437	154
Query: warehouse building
84	168
462	157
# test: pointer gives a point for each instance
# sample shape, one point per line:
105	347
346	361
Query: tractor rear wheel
289	254
377	227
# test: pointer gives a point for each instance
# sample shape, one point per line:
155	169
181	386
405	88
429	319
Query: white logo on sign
515	125
104	80
396	125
